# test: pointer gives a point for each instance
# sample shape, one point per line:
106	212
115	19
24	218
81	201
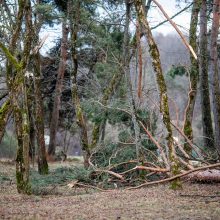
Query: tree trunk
79	112
31	107
23	125
58	91
18	96
214	75
39	118
194	76
140	64
204	88
126	66
164	107
38	114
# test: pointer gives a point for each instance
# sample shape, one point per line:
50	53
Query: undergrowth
58	177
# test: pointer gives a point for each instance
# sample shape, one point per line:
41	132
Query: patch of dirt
194	201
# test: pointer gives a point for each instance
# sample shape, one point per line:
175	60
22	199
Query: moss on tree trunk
193	74
164	107
5	112
74	27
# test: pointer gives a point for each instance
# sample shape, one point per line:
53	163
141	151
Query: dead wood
206	176
153	169
175	177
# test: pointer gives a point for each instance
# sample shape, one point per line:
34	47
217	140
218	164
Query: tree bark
38	111
214	75
126	67
194	75
75	96
140	64
164	107
58	91
16	82
204	88
39	118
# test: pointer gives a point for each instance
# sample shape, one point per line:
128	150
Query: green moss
189	133
10	57
3	113
23	186
95	134
175	184
188	128
4	108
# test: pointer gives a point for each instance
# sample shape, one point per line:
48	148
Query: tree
74	27
16	81
193	74
164	106
37	116
204	87
58	90
214	74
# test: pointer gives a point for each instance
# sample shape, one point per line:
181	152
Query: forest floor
194	201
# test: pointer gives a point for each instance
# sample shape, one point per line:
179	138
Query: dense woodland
109	90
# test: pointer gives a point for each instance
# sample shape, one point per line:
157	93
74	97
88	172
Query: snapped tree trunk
214	74
58	91
164	107
194	75
204	87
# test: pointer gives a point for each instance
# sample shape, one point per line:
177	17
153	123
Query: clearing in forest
55	200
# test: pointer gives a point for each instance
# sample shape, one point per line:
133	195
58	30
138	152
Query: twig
187	139
76	183
157	144
93	187
109	107
179	130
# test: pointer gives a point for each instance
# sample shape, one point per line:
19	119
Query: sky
155	17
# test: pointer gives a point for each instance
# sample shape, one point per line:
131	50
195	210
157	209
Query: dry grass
194	201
